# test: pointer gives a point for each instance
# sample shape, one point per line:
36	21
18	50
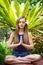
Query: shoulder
12	33
29	34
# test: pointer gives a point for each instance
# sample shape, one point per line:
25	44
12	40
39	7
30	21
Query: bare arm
31	45
9	44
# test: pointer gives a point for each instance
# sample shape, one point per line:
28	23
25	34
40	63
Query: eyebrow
21	21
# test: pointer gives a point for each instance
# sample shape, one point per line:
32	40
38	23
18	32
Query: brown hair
26	39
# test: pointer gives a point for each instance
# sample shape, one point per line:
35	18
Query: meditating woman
21	42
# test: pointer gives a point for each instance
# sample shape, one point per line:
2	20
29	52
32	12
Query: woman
22	43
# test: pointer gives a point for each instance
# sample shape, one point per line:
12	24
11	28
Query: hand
21	41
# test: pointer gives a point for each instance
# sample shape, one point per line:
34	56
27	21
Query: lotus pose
21	42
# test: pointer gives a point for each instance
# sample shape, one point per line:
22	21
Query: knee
7	60
38	57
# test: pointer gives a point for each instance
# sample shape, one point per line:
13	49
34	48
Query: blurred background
9	12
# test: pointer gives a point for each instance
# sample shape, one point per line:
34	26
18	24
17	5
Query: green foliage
17	7
38	40
20	1
3	31
2	54
33	2
9	14
26	8
4	51
38	49
33	17
6	13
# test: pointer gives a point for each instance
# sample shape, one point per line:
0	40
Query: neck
21	30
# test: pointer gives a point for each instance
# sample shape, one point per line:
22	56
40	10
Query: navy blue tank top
19	51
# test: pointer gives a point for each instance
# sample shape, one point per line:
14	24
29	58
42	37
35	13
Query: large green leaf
17	7
30	14
35	23
6	19
33	16
39	31
3	24
4	10
26	8
39	26
34	12
8	10
7	4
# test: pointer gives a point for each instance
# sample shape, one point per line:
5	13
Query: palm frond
34	12
39	31
7	12
9	16
26	8
17	7
35	23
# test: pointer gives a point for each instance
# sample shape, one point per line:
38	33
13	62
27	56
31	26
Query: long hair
26	39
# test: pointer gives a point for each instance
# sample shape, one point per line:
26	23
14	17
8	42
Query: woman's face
22	23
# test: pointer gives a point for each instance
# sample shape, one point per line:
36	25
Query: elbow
8	46
32	47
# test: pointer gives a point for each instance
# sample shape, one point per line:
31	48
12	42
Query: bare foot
24	60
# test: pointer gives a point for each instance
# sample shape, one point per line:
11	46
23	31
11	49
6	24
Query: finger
21	39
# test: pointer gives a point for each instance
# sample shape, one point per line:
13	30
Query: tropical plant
9	12
4	51
2	54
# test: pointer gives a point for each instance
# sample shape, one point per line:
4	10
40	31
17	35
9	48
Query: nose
21	23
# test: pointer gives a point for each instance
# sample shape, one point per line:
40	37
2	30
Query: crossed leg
33	57
29	58
10	59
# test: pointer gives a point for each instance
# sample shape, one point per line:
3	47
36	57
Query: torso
20	50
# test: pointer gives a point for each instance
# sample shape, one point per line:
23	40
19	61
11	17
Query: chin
21	27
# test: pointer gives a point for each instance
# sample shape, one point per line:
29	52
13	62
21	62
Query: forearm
11	46
28	46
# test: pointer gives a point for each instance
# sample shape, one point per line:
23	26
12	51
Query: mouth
21	26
